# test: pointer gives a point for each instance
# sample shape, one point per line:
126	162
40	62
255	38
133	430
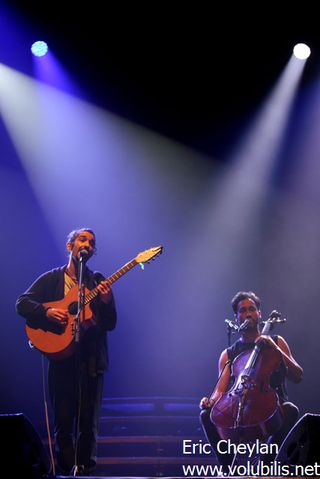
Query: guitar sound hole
73	308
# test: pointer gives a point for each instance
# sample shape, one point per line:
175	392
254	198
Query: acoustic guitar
58	342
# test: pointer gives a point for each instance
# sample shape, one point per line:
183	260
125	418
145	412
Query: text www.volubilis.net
261	469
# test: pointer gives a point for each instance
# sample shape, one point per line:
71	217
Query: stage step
144	436
143	445
147	466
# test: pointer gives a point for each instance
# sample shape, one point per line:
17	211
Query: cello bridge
245	383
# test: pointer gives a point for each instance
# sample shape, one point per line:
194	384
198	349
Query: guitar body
58	342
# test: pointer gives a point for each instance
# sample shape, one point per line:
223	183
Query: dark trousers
72	387
213	437
290	417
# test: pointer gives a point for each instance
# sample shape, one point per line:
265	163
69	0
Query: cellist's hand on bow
206	403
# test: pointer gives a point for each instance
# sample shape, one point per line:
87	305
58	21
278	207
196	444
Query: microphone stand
80	311
80	301
229	335
232	328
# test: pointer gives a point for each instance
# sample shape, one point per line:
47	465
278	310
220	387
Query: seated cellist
246	307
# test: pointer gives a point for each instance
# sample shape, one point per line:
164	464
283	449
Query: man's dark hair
73	235
241	295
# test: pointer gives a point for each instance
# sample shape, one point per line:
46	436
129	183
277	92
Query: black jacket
50	287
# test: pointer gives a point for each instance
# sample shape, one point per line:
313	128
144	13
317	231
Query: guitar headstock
148	254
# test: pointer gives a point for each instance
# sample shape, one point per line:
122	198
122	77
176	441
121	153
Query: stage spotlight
39	49
301	51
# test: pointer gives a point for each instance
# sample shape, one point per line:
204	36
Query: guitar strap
68	284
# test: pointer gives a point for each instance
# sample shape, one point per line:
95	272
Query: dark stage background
145	128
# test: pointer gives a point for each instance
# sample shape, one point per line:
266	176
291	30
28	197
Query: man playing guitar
75	373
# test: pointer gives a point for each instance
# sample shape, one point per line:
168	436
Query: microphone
231	324
244	325
83	254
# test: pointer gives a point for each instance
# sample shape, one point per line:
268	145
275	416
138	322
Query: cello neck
256	350
266	328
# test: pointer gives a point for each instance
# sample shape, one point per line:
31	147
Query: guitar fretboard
112	279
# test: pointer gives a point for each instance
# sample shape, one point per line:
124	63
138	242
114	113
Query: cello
250	409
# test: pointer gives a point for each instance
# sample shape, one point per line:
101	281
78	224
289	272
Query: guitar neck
112	279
